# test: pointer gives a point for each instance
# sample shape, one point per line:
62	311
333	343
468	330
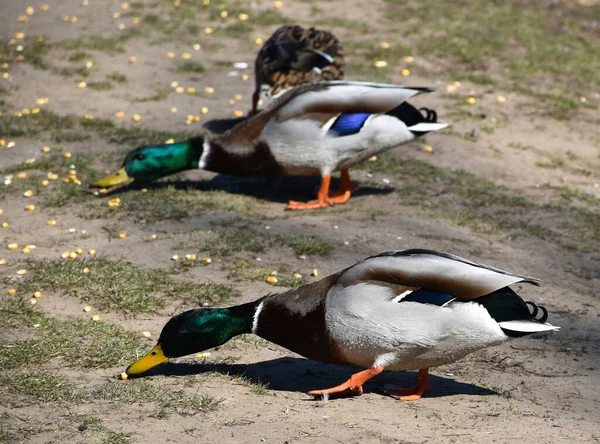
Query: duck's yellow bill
152	359
120	178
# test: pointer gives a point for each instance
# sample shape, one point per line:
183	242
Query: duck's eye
140	156
153	353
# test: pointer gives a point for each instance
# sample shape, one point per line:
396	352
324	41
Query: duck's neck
238	320
186	155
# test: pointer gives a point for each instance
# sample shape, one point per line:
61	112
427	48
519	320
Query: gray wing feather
444	272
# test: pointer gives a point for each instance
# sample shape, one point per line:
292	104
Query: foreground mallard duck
294	56
399	310
318	128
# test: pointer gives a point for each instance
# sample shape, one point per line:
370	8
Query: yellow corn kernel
405	72
95	318
147	334
12	292
33	301
67	155
428	149
471	100
153	237
45	183
92	252
272	280
13	246
87	308
37	294
297	276
28	193
26	250
30	208
381	64
238	113
315	273
2	261
86	270
136	117
22	272
122	235
51	222
123	376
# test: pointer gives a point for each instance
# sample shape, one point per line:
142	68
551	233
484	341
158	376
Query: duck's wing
431	270
321	102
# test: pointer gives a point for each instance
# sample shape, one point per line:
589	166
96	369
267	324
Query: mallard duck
294	56
317	128
399	310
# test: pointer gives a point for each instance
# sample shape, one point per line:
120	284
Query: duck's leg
322	197
343	195
410	393
353	385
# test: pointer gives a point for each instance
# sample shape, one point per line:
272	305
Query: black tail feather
412	116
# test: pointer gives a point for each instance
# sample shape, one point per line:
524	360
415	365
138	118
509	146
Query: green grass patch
170	203
37	387
116	285
78	343
103	85
140	391
228	242
190	66
34	49
550	46
160	94
117	77
473	201
305	245
249	272
79	56
95	42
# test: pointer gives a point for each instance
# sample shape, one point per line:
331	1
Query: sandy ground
542	388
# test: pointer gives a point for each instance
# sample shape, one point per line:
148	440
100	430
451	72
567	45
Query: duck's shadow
275	189
302	375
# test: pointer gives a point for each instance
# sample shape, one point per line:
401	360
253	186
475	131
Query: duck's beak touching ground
151	360
110	183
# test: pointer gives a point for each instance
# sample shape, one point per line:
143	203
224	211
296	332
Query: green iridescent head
194	331
148	163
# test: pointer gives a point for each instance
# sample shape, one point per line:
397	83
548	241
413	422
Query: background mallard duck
399	310
314	129
293	56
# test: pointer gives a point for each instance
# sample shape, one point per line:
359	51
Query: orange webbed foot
399	391
352	386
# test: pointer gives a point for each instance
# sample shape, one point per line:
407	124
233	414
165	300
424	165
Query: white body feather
320	152
373	330
299	144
